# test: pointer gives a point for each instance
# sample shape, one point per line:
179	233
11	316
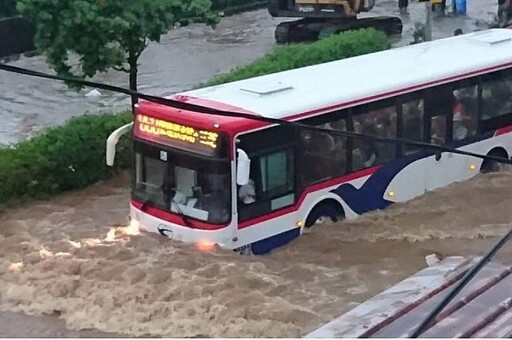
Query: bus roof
313	89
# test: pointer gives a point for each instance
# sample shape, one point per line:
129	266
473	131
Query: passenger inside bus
200	194
465	112
438	130
321	154
364	150
247	193
386	128
459	130
490	106
412	124
339	154
380	122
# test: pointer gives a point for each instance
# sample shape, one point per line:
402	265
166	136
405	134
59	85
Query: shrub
345	45
63	158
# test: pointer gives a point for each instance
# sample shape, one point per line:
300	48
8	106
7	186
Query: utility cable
206	110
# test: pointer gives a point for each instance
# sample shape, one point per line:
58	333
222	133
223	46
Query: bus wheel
324	210
493	166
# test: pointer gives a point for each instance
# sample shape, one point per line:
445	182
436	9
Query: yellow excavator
324	17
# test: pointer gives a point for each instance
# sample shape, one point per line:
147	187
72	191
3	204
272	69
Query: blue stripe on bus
367	198
371	194
265	246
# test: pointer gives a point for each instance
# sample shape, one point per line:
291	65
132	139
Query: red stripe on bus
242	125
311	189
399	91
503	131
176	219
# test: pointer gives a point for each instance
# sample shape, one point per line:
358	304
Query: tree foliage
83	37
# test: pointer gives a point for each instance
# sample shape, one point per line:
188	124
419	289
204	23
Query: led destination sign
183	136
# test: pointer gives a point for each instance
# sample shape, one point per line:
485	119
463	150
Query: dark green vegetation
63	158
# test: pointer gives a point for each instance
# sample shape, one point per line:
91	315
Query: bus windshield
183	183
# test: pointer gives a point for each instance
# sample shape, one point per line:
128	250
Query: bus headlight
205	246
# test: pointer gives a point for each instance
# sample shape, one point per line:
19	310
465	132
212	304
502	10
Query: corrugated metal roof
482	309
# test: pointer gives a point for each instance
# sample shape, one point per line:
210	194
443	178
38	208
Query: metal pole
428	24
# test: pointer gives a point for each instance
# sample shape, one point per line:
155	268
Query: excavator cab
322	17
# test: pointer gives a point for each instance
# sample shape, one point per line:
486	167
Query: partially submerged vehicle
482	309
253	183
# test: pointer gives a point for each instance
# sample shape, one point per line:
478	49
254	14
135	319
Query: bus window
276	173
465	111
150	175
412	123
272	179
438	105
324	155
271	187
497	94
438	130
375	119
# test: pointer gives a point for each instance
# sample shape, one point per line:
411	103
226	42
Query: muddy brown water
73	257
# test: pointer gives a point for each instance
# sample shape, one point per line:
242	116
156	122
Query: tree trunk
132	61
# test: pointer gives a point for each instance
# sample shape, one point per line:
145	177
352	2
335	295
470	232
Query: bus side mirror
112	142
243	168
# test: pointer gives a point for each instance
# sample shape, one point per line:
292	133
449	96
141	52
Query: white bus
455	92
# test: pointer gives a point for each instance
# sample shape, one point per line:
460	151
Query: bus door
438	114
266	201
410	127
450	117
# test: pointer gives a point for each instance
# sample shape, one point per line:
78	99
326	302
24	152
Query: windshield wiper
184	217
171	193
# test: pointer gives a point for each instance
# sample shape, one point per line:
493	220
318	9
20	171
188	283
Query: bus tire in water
492	166
326	209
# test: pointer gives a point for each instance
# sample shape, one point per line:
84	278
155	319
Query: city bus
252	186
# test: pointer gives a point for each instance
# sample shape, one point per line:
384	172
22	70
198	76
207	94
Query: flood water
71	267
74	257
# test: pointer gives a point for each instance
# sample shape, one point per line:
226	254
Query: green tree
104	34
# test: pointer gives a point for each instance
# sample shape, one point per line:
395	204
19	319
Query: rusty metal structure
483	308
